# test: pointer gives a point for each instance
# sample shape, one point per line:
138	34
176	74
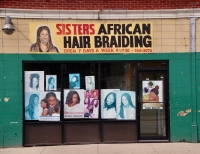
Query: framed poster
34	81
51	82
152	94
91	109
73	103
50	105
126	105
74	81
89	82
108	103
95	93
31	106
87	94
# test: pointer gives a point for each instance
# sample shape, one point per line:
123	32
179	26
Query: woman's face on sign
94	93
44	37
75	98
110	99
43	104
124	100
52	100
35	82
52	81
89	80
36	101
74	79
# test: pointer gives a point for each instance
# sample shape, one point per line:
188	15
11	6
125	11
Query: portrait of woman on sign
74	103
74	81
126	105
49	106
44	41
89	82
34	81
152	91
31	106
108	103
51	82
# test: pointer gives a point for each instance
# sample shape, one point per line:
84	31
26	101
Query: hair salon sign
91	37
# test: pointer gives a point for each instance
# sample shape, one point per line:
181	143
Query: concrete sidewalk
133	148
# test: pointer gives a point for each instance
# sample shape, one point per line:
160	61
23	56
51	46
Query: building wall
171	42
100	4
11	91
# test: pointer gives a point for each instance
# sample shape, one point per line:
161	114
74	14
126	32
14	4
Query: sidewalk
133	148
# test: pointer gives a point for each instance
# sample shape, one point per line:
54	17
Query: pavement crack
154	149
43	150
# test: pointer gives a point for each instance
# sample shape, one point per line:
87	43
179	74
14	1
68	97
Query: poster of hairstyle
74	81
89	82
51	82
87	94
43	36
49	106
95	93
91	109
152	94
108	103
73	103
31	106
126	105
34	81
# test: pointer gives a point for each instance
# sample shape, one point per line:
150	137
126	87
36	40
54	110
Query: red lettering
58	26
80	29
85	29
92	29
63	28
74	25
67	26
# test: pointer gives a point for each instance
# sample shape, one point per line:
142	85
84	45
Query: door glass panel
152	104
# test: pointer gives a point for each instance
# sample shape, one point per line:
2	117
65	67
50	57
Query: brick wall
100	4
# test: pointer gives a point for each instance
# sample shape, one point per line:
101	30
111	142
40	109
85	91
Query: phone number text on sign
105	50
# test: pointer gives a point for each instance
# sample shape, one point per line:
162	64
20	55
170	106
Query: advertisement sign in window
73	103
152	94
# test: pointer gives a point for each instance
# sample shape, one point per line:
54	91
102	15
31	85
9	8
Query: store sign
152	97
91	37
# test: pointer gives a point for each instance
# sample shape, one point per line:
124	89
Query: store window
66	97
85	91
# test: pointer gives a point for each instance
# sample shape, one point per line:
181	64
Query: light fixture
8	26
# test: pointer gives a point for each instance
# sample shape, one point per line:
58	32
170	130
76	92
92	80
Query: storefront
98	81
108	111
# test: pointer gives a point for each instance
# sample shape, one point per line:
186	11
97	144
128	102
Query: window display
91	108
108	103
126	105
51	82
31	106
80	98
42	106
90	82
50	106
73	103
74	81
152	94
34	81
116	104
95	93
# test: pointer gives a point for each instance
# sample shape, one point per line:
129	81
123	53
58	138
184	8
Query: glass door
153	105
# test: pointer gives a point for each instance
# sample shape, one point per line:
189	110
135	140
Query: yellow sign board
91	38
